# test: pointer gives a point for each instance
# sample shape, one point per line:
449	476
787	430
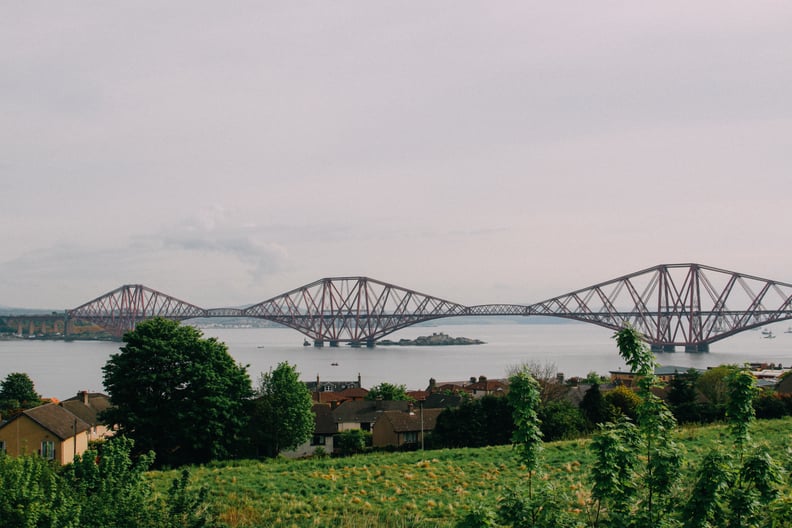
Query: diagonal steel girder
677	304
120	310
352	309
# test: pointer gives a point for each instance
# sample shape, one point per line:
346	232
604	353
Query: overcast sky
226	152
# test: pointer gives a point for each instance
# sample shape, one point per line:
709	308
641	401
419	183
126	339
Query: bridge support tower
663	348
698	347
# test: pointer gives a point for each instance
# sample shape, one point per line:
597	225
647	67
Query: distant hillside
9	310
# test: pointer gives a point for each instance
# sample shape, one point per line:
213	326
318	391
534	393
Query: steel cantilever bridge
688	305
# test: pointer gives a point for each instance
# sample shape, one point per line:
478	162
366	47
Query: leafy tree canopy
712	383
18	392
623	401
388	391
282	418
176	393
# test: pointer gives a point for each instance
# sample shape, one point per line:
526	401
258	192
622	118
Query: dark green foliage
281	417
498	419
176	393
352	441
770	405
475	423
388	391
460	427
17	392
560	420
595	408
683	397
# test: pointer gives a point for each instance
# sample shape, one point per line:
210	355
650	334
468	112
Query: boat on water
306	342
766	332
334	364
769	335
788	330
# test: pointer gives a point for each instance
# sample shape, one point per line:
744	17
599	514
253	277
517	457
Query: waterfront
59	369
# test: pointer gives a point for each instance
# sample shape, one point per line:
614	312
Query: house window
318	440
411	437
47	450
366	426
2	446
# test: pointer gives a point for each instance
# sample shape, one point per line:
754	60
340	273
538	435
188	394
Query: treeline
692	397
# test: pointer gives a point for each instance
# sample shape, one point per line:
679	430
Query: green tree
683	396
542	505
561	420
595	408
282	418
623	401
388	391
464	426
176	393
353	441
17	392
712	384
655	456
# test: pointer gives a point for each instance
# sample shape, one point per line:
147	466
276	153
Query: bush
561	420
770	405
353	441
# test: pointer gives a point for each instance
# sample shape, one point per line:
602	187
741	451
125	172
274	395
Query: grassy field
423	489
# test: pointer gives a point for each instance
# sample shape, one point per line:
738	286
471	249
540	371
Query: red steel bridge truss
688	305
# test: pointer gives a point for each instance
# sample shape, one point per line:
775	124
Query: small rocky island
436	339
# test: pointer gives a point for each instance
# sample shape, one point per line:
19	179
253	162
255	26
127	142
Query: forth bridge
685	305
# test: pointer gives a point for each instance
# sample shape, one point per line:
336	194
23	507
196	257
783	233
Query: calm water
60	369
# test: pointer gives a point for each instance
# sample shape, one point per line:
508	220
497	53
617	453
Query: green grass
421	489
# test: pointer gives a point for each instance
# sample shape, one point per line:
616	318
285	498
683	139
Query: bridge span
686	305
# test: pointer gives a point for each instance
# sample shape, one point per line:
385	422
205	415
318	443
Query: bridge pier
318	343
663	348
370	343
699	347
333	343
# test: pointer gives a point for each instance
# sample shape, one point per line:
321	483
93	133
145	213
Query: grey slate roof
403	422
324	424
366	411
97	402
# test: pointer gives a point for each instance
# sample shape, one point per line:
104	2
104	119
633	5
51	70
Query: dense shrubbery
101	488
